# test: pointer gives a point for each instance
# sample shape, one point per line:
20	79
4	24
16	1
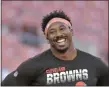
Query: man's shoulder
39	56
37	60
89	56
42	55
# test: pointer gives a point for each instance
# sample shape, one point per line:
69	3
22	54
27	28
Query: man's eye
52	32
62	28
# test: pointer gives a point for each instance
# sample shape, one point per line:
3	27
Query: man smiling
62	64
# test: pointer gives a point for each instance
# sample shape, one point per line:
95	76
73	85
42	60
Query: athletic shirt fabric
47	70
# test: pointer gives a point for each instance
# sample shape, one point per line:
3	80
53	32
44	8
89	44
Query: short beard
62	51
59	50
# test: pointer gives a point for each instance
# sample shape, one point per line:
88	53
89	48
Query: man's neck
70	54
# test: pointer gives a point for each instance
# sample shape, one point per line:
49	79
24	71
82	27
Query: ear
47	39
71	30
46	36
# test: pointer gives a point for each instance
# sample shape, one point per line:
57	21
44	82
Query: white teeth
62	40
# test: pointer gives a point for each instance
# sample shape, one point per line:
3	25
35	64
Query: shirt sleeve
22	76
103	79
9	80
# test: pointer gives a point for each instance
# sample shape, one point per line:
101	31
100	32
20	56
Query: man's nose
58	33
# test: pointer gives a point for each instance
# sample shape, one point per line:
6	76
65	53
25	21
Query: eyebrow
62	26
52	29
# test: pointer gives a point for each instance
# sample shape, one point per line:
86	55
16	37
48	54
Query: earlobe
71	31
46	37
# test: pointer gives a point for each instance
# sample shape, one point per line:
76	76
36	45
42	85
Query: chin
62	50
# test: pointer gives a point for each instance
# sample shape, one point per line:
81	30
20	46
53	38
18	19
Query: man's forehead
57	24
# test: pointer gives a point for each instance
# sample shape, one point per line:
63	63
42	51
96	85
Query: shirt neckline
65	61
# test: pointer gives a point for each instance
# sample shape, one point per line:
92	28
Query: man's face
59	36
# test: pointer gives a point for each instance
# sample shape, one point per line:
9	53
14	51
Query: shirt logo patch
16	73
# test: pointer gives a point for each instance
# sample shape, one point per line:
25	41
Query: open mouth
61	41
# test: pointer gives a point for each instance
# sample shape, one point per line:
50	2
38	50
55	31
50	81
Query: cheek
68	33
70	36
50	38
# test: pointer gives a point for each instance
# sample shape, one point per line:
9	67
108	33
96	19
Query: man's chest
67	76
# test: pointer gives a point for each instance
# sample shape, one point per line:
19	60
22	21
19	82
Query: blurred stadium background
22	37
